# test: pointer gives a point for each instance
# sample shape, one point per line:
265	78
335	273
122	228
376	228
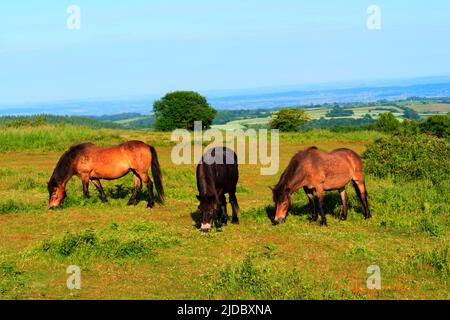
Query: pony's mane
280	189
64	164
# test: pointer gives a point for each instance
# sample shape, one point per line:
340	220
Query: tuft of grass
357	252
11	206
438	259
248	281
25	184
430	227
12	281
106	245
7	172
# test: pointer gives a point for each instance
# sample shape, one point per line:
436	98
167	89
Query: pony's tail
156	173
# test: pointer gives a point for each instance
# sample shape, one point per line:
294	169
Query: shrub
409	157
179	110
387	122
339	112
438	126
289	119
411	114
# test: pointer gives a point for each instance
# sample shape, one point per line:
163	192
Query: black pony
217	174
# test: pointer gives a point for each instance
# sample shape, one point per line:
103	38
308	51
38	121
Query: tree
180	109
411	114
289	119
387	122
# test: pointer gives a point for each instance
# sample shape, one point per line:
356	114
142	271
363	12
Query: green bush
289	119
180	109
387	122
409	157
438	126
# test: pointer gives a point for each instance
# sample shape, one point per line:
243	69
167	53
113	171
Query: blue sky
128	48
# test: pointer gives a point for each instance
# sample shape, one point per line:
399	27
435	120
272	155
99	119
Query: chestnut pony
313	169
92	163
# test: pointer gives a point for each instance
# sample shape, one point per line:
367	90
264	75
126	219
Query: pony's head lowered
282	191
282	199
64	170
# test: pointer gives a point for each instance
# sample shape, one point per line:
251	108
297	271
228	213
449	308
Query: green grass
50	138
134	242
248	281
133	252
12	281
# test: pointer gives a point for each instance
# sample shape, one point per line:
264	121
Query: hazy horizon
252	98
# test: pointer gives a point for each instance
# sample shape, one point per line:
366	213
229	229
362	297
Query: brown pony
311	170
91	163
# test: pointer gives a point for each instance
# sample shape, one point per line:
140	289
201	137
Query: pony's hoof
132	203
281	220
323	224
312	220
150	205
235	221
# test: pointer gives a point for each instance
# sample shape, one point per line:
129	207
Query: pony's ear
198	197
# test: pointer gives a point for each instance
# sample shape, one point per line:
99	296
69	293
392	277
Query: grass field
132	252
424	110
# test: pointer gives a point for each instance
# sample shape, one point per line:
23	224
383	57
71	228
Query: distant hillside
18	121
321	115
266	98
275	99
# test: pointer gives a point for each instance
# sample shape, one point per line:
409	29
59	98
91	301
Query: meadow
137	253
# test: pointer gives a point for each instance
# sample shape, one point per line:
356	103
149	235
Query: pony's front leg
312	206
